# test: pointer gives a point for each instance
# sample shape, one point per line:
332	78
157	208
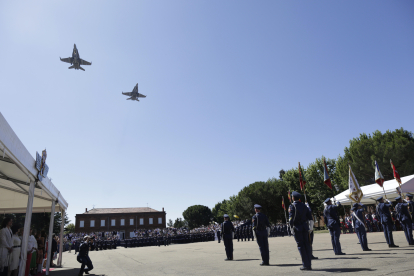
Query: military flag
302	181
355	193
283	204
290	199
236	216
326	178
396	174
378	176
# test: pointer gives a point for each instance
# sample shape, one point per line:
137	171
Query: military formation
301	225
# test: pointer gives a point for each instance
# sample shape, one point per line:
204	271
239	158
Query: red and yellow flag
283	204
396	174
302	180
290	199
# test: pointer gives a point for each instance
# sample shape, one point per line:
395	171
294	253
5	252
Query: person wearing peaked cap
260	224
311	234
383	210
331	219
359	222
299	217
409	200
227	230
404	216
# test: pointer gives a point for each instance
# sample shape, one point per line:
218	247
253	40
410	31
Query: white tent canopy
21	191
374	191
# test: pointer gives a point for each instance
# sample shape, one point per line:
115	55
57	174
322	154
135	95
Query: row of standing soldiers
169	239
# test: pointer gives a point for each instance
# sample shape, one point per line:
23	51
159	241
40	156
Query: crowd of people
11	237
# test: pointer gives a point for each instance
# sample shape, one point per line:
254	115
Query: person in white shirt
6	245
15	256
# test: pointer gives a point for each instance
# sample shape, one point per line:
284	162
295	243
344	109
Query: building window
131	221
122	222
159	220
81	223
151	221
92	223
112	222
141	221
102	222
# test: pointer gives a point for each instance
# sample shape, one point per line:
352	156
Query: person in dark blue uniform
405	219
409	200
83	257
301	222
383	210
359	222
332	222
218	235
260	224
227	230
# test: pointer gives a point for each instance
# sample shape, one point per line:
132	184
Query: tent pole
62	224
49	243
26	231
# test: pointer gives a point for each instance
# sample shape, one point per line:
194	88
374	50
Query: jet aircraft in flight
134	94
75	60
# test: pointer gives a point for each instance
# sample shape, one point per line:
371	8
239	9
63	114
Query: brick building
122	220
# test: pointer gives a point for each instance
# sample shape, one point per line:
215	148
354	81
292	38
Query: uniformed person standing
227	230
383	210
359	222
405	219
83	257
260	224
311	234
301	222
332	222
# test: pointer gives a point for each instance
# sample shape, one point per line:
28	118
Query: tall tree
197	215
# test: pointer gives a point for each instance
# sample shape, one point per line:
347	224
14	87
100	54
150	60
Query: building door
122	235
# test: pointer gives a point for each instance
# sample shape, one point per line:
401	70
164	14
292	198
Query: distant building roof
120	210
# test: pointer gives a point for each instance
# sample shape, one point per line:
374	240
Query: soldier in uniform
218	235
311	233
260	224
227	230
383	210
409	200
301	222
332	222
405	219
359	222
83	257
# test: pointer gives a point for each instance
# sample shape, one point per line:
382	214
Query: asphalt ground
207	258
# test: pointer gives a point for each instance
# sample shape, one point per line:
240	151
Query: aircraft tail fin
71	67
81	68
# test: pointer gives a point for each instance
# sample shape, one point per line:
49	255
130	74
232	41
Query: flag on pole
378	176
326	178
301	181
290	199
236	216
354	189
396	174
283	204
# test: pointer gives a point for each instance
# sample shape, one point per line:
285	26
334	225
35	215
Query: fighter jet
134	94
75	60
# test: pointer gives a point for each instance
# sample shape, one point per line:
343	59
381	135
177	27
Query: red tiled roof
120	210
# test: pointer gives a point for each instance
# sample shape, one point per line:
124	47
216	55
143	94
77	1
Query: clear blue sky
236	90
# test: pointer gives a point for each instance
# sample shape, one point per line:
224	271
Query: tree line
360	154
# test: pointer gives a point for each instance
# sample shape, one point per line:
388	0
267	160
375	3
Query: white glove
311	223
405	201
388	201
292	230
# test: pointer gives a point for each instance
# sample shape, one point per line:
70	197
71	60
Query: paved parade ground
207	258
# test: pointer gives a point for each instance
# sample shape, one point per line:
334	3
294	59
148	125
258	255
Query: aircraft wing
141	96
68	60
127	93
84	62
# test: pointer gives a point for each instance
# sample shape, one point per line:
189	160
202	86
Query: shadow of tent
70	272
344	269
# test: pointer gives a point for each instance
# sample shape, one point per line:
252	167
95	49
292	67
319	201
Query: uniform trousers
86	261
388	233
335	234
311	242
262	241
304	247
228	245
362	237
408	231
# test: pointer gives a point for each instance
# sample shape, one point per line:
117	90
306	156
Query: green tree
70	228
170	223
197	215
362	152
179	223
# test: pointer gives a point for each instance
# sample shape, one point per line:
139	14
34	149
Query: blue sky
236	90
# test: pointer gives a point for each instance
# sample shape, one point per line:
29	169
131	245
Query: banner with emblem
354	189
290	199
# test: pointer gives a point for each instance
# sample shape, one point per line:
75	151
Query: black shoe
392	245
314	258
305	268
227	259
367	249
263	263
86	272
342	253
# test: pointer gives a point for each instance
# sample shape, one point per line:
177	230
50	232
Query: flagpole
284	208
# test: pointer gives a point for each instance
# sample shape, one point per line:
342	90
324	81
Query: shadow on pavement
370	254
71	272
344	269
340	258
287	265
242	260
